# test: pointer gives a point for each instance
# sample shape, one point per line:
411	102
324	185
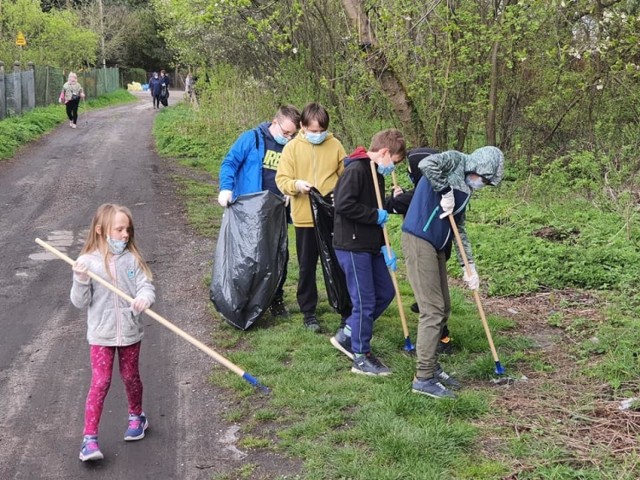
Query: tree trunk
390	83
490	126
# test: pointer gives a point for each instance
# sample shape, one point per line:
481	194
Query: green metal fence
48	81
24	87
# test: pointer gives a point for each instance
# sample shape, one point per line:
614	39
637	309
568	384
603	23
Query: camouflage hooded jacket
448	170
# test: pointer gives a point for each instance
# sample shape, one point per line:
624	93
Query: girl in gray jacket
113	325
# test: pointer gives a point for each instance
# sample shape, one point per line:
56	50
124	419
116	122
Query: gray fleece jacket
111	322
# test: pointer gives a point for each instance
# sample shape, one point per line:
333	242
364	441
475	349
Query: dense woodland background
545	80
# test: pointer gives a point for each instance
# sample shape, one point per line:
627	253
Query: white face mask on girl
116	246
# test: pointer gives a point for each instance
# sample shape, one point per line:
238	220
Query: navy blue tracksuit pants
371	291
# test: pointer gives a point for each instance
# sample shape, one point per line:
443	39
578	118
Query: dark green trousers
427	273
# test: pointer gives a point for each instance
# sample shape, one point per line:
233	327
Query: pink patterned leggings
101	367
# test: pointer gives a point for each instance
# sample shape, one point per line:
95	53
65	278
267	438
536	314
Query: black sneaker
447	380
311	323
342	343
431	387
445	347
414	308
370	365
278	309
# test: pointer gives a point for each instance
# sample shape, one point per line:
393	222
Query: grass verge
559	276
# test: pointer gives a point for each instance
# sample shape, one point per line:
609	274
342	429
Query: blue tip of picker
254	381
408	346
499	369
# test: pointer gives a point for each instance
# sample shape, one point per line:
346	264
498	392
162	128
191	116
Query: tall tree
390	83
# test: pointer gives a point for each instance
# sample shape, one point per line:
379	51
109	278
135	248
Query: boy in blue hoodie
250	166
449	179
358	241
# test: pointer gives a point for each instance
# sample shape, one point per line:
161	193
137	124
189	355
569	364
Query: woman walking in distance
71	95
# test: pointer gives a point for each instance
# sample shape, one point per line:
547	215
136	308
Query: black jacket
355	225
400	204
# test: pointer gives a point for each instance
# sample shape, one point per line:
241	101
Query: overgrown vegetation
17	131
539	79
557	254
77	34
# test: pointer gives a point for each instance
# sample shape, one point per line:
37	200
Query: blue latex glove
389	259
383	216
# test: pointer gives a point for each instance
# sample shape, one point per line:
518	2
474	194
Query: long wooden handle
476	295
394	179
394	279
216	356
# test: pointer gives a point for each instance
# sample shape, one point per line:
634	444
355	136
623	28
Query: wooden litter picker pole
216	356
408	346
499	368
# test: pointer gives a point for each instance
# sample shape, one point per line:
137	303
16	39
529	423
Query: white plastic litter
626	404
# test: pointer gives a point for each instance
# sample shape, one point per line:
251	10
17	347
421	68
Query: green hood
487	162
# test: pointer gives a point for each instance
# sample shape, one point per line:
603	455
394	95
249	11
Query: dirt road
50	190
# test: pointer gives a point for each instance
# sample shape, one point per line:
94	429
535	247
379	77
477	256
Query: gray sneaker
446	379
432	388
342	343
370	365
311	323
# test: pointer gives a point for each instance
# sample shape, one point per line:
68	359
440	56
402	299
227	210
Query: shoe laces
441	386
375	362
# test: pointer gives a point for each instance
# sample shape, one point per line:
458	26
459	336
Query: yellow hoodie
320	165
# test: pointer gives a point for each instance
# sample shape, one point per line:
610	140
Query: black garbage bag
250	258
164	95
337	292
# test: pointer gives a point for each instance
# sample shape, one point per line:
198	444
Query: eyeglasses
285	133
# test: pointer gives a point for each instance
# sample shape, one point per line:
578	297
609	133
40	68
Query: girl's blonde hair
103	221
72	76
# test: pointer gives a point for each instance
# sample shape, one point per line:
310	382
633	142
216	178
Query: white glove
287	200
224	197
473	280
447	203
303	186
80	272
140	304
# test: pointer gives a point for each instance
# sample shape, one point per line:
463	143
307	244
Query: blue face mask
317	138
474	183
116	246
280	139
386	169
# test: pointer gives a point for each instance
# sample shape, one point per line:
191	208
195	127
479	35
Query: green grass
346	427
526	240
529	236
18	131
